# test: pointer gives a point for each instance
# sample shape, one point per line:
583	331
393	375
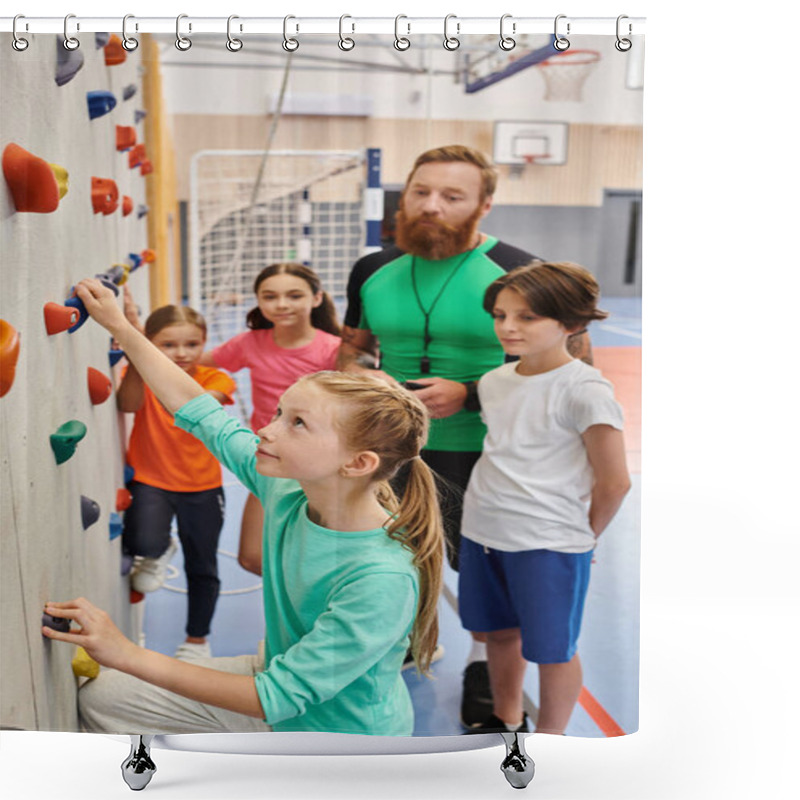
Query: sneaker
408	661
495	725
189	651
151	573
476	700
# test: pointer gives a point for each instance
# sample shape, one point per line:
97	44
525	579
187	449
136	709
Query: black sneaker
476	700
496	725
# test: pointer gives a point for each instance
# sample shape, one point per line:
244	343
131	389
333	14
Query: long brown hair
323	316
393	423
165	316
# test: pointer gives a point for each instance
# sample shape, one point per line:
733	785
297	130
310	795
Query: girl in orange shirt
174	475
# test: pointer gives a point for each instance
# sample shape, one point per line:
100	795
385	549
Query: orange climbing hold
124	499
59	318
105	195
33	182
9	353
99	386
126	137
148	256
136	155
127	205
114	51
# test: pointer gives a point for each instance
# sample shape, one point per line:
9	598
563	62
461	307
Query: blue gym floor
609	644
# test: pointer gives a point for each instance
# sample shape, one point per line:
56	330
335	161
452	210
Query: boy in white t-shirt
551	477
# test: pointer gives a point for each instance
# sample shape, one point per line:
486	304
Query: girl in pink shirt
293	331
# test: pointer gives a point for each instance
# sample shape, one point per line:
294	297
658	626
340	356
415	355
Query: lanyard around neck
425	363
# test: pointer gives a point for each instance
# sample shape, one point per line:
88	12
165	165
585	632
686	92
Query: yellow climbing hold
84	666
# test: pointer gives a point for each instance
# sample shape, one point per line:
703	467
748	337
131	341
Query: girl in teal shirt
351	575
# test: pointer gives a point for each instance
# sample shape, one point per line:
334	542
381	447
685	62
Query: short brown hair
165	316
466	155
559	290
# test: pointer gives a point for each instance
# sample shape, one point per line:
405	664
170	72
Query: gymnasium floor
609	644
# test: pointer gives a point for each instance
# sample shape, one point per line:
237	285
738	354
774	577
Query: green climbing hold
66	438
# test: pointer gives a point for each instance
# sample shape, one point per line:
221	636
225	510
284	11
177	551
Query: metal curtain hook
289	44
623	45
561	42
345	42
181	42
451	42
128	42
507	42
18	43
233	44
401	42
70	42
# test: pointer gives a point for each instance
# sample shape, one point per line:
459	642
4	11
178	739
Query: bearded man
415	311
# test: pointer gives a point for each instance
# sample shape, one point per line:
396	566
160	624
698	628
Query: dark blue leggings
200	515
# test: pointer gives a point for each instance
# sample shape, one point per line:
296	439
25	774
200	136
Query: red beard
428	237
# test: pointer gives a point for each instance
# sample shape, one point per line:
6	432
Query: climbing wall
72	205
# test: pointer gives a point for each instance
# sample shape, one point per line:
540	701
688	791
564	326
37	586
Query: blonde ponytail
393	423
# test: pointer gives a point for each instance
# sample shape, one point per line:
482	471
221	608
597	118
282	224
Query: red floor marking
623	367
601	717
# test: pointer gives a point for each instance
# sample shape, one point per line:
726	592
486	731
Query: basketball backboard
542	143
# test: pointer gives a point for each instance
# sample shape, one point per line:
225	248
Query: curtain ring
507	42
561	43
70	42
289	44
128	42
623	45
233	44
18	43
401	42
345	42
451	42
182	42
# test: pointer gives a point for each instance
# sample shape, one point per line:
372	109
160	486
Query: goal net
248	213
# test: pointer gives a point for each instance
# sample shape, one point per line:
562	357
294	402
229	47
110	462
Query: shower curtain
178	171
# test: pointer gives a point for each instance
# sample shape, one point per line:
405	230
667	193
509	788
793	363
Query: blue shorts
541	592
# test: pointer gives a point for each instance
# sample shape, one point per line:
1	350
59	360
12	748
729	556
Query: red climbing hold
146	167
126	137
31	179
9	353
127	205
114	51
59	318
99	386
136	597
105	195
124	499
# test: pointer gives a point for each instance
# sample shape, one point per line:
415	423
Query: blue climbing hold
101	40
100	103
114	525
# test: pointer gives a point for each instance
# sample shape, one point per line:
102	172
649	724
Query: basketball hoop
515	170
565	73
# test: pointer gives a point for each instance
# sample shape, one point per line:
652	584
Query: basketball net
565	73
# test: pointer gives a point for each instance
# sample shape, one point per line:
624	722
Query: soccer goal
249	209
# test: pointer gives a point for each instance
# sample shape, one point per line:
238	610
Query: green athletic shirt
338	606
381	299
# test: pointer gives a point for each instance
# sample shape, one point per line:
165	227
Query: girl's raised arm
171	385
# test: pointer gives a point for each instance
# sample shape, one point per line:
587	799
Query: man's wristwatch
472	402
